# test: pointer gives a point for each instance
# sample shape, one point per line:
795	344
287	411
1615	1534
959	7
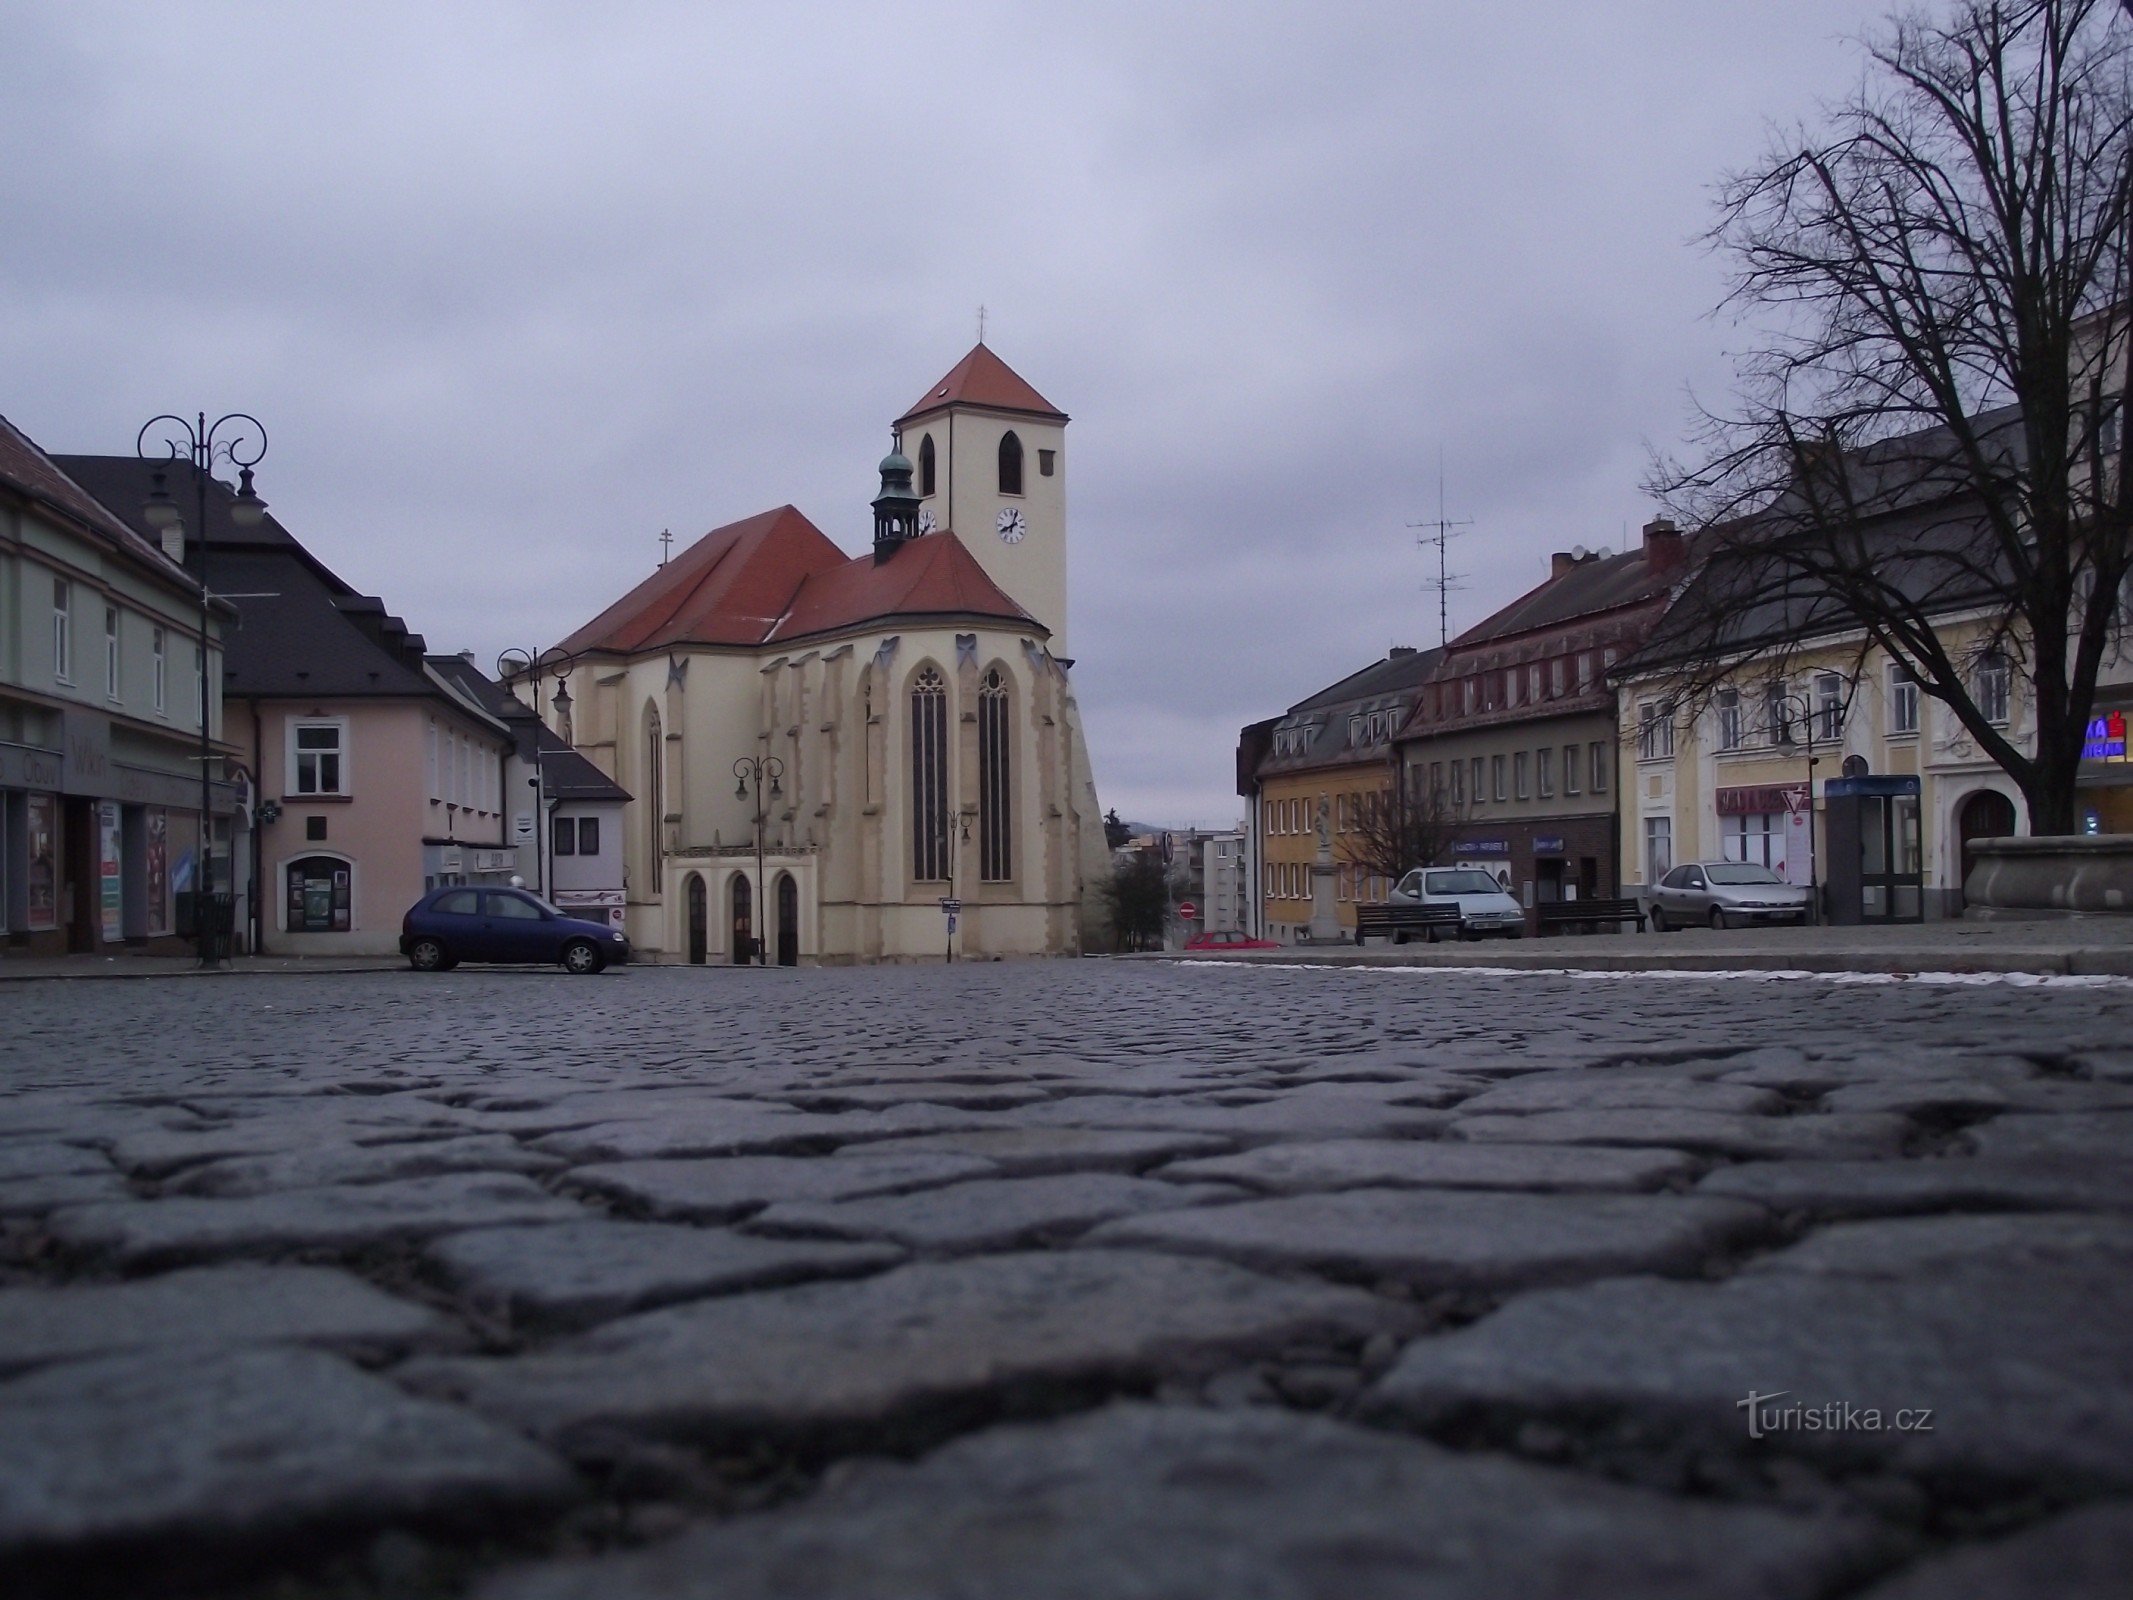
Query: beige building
918	736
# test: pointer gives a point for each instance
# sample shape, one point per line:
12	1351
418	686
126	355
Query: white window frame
1655	730
293	773
1829	707
1544	772
1571	753
1903	700
1658	848
111	653
62	631
1731	732
1995	688
1599	766
158	653
1521	775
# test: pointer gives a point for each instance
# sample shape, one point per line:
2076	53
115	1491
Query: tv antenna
1440	533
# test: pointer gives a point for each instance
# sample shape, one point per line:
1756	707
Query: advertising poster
43	863
110	888
158	871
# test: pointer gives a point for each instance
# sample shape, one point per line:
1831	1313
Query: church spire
896	507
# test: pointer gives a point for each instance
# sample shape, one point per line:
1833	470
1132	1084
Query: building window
1510	687
1498	786
1533	684
1436	782
1655	730
655	823
588	836
563	836
1010	464
1658	848
929	776
1480	792
1729	727
925	465
155	658
1599	766
1556	677
1458	783
1995	687
1519	776
1758	837
430	749
1829	707
62	630
1584	670
1570	769
199	685
317	758
996	858
1544	773
1473	694
1047	461
111	653
318	895
1903	701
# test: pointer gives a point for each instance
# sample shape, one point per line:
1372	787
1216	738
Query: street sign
951	906
1188	910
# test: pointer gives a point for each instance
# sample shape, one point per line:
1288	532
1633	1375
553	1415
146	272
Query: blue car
458	923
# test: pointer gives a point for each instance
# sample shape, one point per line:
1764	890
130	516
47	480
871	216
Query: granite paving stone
29	1197
879	1353
1146	1503
318	1166
238	1304
1453	1239
2079	1555
574	1273
163	1231
1834	1189
987	1213
40	1158
200	1448
1039	1152
1323	1116
2102	1138
741	1128
1828	1134
1622	1091
724	1188
1438	1164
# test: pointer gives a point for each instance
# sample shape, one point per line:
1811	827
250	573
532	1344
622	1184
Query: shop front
1771	825
2105	800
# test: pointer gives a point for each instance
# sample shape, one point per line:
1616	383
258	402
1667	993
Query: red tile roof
983	379
776	578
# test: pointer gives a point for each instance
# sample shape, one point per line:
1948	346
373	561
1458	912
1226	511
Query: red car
1228	940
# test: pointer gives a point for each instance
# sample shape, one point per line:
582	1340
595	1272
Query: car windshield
1468	881
1740	872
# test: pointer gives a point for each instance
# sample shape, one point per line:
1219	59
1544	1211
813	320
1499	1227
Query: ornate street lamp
241	440
1792	710
512	665
751	771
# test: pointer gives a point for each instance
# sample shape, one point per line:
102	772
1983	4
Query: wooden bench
1587	913
1397	922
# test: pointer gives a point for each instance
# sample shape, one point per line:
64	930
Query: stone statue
1325	825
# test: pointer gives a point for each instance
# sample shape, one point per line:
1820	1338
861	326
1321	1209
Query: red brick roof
776	577
983	379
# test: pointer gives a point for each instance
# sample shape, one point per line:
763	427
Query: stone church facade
905	717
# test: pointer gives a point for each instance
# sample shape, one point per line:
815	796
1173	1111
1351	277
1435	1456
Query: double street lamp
512	665
752	771
1790	710
240	440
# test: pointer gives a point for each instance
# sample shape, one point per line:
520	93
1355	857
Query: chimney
1400	652
1663	546
1559	563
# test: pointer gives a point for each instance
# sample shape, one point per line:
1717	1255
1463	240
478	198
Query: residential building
1330	754
104	681
1513	741
375	778
924	771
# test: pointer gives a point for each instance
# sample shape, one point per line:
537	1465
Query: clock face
926	524
1010	524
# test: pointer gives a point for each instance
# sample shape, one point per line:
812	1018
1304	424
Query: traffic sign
1188	910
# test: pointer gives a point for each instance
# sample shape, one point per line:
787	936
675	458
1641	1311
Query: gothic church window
925	466
995	820
1010	464
655	795
929	777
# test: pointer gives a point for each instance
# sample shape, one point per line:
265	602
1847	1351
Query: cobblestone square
1083	1279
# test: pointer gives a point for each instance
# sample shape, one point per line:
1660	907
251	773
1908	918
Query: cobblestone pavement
1077	1279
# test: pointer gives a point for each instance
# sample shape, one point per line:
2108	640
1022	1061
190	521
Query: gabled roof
1595	584
983	379
565	774
730	587
933	576
30	472
1324	720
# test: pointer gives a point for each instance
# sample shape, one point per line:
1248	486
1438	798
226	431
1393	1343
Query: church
840	758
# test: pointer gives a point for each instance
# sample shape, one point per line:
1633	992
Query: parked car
1484	908
1228	940
458	923
1723	893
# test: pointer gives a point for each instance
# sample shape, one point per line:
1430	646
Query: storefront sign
158	871
111	889
2106	739
1482	847
85	752
24	766
42	878
1547	844
1756	799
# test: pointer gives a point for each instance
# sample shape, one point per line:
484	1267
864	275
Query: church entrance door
788	921
699	921
743	921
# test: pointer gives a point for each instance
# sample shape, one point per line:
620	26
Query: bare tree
1927	454
1390	831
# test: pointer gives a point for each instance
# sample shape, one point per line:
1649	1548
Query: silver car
1724	893
1484	908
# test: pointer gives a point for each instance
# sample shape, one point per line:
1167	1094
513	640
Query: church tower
989	456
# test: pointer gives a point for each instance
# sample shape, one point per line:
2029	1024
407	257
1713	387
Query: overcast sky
514	287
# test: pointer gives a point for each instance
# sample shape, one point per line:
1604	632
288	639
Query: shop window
319	895
1658	848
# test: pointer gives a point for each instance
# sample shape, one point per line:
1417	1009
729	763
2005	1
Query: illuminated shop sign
2106	739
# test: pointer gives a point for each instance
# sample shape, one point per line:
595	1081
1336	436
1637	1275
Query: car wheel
1657	920
1718	920
427	955
581	958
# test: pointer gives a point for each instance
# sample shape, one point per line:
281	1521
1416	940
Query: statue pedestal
1325	917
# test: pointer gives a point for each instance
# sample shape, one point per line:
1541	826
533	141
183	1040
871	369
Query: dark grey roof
570	776
565	774
1325	719
1401	669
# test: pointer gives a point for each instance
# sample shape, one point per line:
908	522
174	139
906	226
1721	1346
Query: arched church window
655	751
1010	464
995	816
925	466
929	777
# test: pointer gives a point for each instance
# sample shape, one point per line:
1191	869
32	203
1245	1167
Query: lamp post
751	771
1792	710
241	440
512	665
954	825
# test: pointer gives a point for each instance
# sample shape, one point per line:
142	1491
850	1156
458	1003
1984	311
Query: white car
1484	908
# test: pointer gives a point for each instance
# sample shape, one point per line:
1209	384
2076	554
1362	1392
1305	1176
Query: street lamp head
248	510
775	791
160	511
562	699
740	790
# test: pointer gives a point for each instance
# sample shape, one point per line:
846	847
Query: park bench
1587	913
1397	922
